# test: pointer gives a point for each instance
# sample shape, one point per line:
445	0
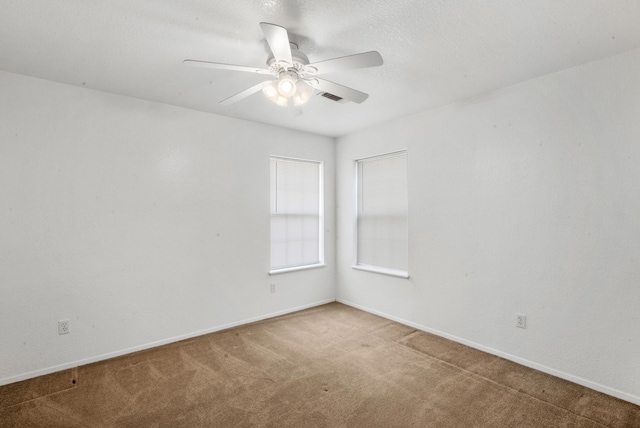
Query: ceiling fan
295	78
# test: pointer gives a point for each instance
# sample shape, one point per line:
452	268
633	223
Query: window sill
296	268
382	270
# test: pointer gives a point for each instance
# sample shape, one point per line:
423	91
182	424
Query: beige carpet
330	366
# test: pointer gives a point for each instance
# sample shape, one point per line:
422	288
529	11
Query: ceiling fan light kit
295	79
288	88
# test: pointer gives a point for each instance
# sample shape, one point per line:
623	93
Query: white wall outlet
273	287
64	327
521	321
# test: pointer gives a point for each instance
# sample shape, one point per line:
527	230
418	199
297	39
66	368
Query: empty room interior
320	213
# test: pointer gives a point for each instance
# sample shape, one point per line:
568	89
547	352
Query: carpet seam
39	397
499	384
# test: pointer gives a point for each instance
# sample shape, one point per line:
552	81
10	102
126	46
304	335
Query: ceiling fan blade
362	60
339	90
278	40
206	64
244	94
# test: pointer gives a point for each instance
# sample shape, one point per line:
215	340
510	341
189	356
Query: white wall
139	222
524	201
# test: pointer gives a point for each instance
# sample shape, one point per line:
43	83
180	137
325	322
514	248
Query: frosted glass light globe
270	91
287	86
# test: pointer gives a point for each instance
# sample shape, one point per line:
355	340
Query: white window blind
296	213
382	226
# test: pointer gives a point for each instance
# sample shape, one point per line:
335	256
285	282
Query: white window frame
400	273
320	262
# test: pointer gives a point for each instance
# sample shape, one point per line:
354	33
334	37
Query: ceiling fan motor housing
299	66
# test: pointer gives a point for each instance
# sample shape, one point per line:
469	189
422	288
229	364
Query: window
296	214
382	225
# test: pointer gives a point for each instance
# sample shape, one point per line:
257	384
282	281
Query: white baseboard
150	345
531	364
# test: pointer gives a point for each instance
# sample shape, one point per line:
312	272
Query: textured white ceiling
435	51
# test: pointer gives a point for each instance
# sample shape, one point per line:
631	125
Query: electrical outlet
521	321
273	288
64	327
